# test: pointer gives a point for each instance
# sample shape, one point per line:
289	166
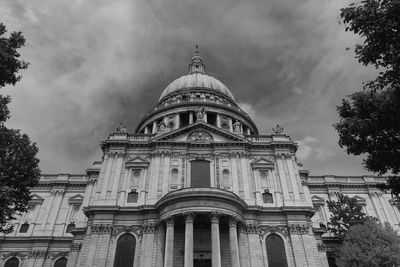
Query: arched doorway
276	251
61	262
125	252
13	262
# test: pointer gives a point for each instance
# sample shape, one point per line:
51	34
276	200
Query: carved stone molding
9	254
200	156
150	228
299	229
102	228
38	254
57	191
115	155
92	180
321	247
264	229
57	254
138	229
242	229
252	229
75	247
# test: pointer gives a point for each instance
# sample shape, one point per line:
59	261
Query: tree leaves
19	169
346	212
370	244
370	119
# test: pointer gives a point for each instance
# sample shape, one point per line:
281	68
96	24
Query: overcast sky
96	63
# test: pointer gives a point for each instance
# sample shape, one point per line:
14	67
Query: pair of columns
215	241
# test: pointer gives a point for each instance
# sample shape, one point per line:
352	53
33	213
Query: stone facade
194	185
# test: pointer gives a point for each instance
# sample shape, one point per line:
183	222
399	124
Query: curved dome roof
198	80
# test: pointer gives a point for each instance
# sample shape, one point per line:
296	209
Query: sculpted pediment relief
200	136
199	132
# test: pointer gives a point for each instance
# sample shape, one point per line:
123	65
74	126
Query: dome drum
183	114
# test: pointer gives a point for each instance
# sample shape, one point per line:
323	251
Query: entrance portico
205	218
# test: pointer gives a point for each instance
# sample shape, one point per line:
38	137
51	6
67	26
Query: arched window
174	176
24	228
267	197
61	262
276	251
226	179
133	197
125	252
200	173
70	227
13	262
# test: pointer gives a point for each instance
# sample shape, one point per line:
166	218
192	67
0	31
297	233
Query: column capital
161	227
169	222
215	217
233	221
189	217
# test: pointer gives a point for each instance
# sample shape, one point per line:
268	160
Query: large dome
197	80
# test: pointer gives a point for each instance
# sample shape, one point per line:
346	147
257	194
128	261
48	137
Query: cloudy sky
96	63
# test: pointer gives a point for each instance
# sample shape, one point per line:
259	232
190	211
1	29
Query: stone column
154	128
233	242
189	218
243	247
190	117
177	121
169	243
230	125
218	121
215	244
160	244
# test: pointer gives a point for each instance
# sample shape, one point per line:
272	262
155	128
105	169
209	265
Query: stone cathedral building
194	185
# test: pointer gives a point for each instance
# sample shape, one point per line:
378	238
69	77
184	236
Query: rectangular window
200	173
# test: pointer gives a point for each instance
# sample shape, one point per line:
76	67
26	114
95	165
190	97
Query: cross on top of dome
197	65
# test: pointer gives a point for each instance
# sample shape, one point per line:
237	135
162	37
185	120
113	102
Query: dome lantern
197	65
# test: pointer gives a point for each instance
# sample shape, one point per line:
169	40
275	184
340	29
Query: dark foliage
18	163
370	119
346	212
369	245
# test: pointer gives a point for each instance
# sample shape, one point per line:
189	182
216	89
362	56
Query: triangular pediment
76	200
36	199
137	162
199	132
262	163
317	201
360	200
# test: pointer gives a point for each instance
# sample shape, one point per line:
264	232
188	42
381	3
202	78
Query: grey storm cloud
97	63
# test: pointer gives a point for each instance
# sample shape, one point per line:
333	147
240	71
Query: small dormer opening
212	118
183	119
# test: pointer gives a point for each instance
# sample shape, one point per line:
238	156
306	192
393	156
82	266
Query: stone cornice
343	182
